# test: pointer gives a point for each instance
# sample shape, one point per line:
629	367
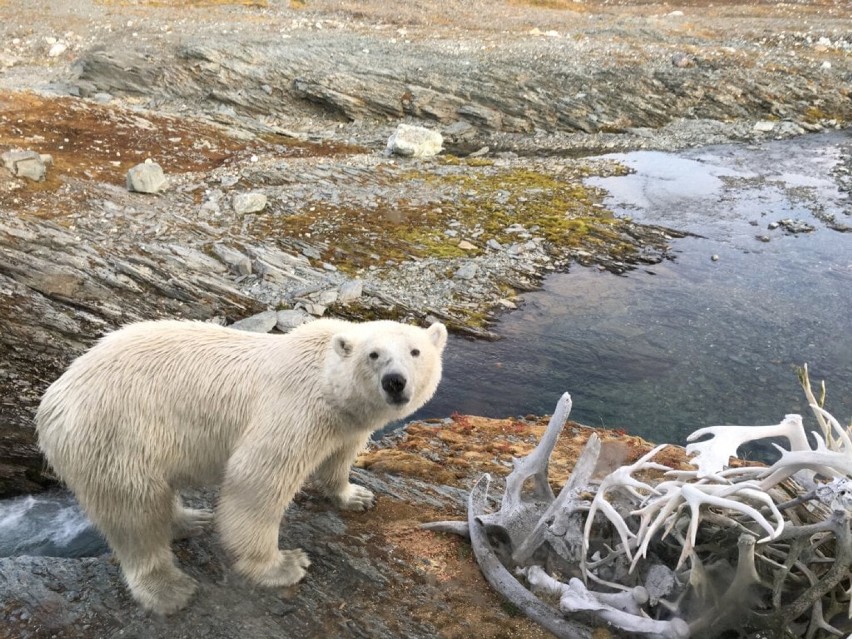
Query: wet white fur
159	406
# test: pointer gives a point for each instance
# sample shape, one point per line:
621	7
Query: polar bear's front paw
355	497
288	568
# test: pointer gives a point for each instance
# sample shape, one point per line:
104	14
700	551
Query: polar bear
159	406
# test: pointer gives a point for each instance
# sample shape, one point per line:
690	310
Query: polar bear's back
154	394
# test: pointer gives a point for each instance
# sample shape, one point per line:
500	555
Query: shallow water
660	351
51	525
691	342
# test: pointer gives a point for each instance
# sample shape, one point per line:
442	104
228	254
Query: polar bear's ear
343	346
438	334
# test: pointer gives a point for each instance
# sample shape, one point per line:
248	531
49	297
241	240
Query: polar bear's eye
374	355
415	352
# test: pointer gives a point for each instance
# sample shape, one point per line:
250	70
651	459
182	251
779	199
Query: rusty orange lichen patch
455	452
99	143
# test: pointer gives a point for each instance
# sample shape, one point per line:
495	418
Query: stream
711	337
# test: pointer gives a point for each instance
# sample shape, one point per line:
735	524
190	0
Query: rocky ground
374	575
270	121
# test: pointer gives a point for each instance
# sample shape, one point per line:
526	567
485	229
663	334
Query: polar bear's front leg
333	478
249	514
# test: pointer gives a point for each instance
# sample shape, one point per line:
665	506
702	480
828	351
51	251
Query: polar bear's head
385	370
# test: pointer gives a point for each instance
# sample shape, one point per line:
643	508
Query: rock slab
26	164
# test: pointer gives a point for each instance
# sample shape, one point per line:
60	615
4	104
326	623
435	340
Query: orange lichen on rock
466	446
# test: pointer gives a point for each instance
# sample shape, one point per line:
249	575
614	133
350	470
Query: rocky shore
269	121
277	202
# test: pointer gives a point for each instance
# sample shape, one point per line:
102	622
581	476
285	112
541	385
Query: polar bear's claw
289	568
355	498
190	522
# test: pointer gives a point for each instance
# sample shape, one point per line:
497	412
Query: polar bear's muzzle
394	386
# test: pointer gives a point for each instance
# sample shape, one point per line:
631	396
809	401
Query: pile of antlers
656	552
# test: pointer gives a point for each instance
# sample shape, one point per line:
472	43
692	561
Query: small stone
326	298
825	66
714	258
682	60
762	238
317	310
464	245
235	260
479	152
26	164
57	50
311	253
251	202
287	320
414	141
260	323
146	178
764	126
494	245
466	272
507	304
772	226
350	291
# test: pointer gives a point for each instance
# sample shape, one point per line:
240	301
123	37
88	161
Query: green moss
479	203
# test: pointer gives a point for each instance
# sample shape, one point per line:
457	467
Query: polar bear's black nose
393	383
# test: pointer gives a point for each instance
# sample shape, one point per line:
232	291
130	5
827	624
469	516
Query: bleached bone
502	580
823	461
559	510
833	576
622	479
575	597
722	497
513	508
826	421
517	516
745	577
713	455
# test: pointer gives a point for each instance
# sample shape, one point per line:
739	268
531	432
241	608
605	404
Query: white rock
466	272
146	178
57	50
764	126
251	202
414	141
350	291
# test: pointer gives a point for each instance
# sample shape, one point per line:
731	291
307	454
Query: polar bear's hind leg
139	530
